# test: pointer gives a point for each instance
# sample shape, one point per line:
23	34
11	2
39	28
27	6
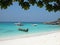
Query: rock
54	22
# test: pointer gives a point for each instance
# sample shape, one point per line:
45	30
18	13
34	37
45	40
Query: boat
34	24
24	30
18	24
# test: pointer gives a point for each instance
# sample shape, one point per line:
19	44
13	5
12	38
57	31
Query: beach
46	39
29	22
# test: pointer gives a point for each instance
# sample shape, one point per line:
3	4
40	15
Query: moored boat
19	24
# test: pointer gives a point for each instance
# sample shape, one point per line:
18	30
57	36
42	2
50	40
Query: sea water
11	29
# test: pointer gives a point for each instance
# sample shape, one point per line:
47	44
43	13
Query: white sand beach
48	39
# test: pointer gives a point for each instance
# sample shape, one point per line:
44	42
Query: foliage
26	4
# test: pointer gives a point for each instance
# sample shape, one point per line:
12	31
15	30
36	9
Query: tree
26	4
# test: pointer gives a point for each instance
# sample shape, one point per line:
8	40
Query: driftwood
24	30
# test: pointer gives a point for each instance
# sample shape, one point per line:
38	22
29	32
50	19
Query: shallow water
10	29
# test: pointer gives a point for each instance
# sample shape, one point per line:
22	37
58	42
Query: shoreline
28	35
52	38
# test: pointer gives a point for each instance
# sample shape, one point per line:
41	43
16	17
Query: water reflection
25	4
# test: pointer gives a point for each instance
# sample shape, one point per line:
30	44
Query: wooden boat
24	30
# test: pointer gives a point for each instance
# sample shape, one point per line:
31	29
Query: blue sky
34	14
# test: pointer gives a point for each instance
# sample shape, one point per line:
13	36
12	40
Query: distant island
57	22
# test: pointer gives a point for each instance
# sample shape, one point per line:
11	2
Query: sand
47	39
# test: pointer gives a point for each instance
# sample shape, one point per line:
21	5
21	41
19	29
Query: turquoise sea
10	29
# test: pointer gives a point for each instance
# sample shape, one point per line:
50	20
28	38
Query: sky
15	13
